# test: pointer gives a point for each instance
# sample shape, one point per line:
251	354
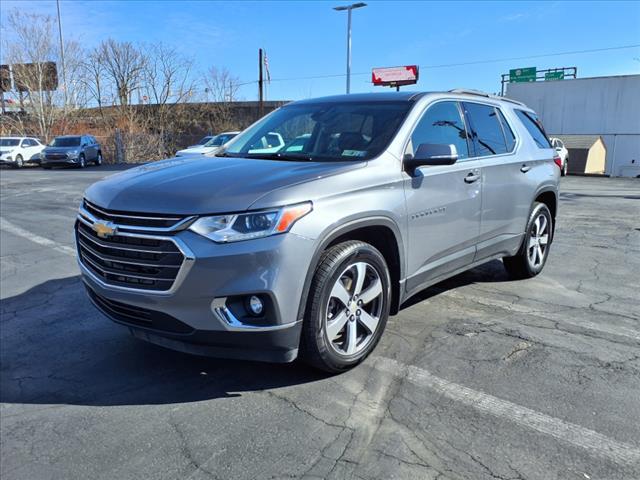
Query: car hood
60	149
203	185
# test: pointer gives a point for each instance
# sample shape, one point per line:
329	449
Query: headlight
245	226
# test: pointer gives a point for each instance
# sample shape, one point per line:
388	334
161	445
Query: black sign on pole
5	78
33	77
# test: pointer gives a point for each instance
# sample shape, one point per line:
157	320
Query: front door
443	202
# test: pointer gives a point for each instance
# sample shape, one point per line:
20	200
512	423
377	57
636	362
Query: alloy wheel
538	241
354	308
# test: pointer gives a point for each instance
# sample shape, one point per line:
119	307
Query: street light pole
64	69
348	8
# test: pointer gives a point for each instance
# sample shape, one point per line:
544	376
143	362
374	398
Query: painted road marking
594	442
7	226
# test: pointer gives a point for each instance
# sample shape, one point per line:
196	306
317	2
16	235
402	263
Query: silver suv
306	251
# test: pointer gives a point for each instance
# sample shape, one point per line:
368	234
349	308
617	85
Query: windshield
219	140
9	142
322	132
65	142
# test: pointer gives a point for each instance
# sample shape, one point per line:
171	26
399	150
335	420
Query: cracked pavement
517	376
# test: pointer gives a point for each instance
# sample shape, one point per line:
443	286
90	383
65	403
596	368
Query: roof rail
511	100
470	92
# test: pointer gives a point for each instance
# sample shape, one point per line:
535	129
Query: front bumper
58	162
188	317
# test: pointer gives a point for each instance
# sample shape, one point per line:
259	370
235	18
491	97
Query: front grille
138	316
56	156
130	218
129	261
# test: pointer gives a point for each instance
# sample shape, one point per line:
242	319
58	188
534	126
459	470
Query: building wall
606	106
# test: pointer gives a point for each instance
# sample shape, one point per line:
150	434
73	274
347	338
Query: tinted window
9	142
442	124
534	127
509	137
486	130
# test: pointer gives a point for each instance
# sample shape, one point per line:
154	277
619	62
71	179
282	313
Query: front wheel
19	161
565	167
532	256
98	161
82	161
348	307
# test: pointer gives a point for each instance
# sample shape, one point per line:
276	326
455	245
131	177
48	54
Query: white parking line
576	435
14	229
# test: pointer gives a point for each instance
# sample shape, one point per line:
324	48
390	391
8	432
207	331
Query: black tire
19	161
563	171
82	162
98	161
316	348
521	265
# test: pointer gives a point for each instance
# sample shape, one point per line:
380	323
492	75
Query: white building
605	106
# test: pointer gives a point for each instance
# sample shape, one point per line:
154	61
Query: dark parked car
72	150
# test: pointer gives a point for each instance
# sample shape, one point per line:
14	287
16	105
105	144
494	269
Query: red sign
395	76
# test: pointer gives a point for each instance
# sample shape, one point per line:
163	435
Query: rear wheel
531	258
348	307
19	161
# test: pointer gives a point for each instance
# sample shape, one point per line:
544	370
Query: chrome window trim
133	228
185	267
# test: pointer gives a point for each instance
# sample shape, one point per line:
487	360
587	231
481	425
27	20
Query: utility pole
260	85
348	8
64	69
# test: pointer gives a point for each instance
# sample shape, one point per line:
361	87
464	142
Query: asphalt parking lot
478	378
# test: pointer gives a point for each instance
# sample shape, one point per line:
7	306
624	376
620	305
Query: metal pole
64	70
260	85
349	50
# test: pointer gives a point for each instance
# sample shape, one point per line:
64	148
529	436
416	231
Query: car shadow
490	272
56	348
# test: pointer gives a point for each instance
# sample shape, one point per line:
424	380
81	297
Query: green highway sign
523	74
559	75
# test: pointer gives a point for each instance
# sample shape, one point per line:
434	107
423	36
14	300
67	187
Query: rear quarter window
534	127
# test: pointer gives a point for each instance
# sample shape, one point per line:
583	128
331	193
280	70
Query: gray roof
578	141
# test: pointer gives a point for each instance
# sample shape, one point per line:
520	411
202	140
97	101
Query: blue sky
307	38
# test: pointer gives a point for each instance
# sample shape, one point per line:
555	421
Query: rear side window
534	127
486	130
442	123
509	137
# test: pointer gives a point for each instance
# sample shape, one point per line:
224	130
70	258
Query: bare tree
30	46
123	65
221	88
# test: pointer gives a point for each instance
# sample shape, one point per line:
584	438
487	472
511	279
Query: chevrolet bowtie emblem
104	230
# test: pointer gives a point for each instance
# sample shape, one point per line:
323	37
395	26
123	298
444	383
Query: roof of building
578	141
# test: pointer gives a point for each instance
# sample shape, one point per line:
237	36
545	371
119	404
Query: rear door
443	202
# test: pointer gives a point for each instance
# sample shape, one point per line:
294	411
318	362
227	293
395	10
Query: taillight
558	161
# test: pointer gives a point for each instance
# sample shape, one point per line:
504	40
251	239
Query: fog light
255	305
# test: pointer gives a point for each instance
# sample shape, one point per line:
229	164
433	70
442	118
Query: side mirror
431	154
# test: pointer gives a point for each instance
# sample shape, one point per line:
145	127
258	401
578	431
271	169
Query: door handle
525	168
471	177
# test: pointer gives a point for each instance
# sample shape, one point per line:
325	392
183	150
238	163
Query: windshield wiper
291	157
225	154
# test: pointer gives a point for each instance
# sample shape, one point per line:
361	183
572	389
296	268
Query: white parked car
17	151
212	146
201	142
563	153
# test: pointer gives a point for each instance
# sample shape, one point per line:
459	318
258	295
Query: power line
462	64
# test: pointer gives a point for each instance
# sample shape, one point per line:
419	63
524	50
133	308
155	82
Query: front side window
486	131
442	124
534	127
346	131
